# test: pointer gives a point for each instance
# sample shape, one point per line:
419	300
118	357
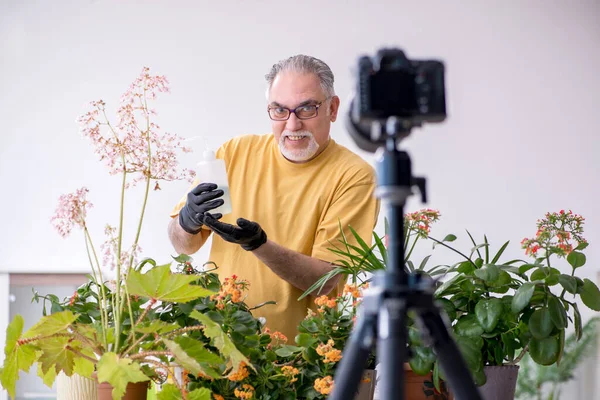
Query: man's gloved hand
248	234
200	200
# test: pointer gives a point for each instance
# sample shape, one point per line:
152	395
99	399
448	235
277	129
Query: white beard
298	155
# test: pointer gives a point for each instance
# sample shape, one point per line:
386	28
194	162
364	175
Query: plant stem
520	356
130	348
407	256
167	369
80	354
87	341
453	249
103	310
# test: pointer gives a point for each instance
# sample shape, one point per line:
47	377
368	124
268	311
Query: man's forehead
293	87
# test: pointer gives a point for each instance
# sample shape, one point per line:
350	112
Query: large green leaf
56	354
590	295
522	297
558	314
119	372
468	326
545	351
160	283
488	272
18	357
568	282
540	323
488	313
470	349
157	326
190	354
576	259
422	361
51	324
221	341
199	394
171	392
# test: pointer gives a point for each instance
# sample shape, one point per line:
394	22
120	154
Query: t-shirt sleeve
357	207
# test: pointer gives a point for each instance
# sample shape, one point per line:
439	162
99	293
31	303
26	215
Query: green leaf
305	340
157	326
522	297
488	273
577	323
18	357
422	360
590	295
561	345
119	372
199	394
448	307
449	238
540	323
558	314
499	253
59	353
49	377
568	282
526	267
160	283
470	348
488	313
287	350
169	392
576	259
466	267
468	326
191	353
221	341
83	366
182	258
51	324
582	246
545	351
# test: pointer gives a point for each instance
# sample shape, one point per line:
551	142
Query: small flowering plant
112	329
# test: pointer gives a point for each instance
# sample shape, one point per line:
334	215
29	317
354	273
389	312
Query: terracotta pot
134	391
421	387
75	387
366	389
501	382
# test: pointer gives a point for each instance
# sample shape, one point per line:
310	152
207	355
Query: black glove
248	234
200	200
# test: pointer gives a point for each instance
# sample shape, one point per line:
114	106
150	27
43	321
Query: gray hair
303	64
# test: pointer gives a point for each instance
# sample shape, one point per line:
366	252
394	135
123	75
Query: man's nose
293	123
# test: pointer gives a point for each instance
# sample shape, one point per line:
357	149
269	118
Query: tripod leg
391	348
354	358
450	357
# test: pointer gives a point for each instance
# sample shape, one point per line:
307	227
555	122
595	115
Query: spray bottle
212	170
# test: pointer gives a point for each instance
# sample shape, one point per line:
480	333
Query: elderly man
290	190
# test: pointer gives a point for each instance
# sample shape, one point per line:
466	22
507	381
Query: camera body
391	85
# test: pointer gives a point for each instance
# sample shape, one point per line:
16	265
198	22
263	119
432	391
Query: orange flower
324	386
246	392
241	374
218	397
290	372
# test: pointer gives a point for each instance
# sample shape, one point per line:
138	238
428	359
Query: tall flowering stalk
135	148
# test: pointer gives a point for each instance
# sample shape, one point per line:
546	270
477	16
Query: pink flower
71	211
135	144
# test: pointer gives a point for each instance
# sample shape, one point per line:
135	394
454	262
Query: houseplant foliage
498	310
545	382
275	367
112	328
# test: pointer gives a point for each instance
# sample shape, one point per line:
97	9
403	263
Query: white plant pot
75	387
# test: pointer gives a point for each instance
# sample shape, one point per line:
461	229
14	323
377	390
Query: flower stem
80	354
102	303
453	249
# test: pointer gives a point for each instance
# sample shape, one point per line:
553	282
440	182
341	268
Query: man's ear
334	106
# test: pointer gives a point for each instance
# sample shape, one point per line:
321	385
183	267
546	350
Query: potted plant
504	310
111	329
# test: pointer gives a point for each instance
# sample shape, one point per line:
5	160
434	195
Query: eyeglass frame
293	110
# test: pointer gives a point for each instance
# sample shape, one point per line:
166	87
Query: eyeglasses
307	111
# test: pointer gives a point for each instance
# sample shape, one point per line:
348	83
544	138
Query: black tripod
393	293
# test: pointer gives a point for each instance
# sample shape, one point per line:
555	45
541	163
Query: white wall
522	92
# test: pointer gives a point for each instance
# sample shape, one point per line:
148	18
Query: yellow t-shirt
299	206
